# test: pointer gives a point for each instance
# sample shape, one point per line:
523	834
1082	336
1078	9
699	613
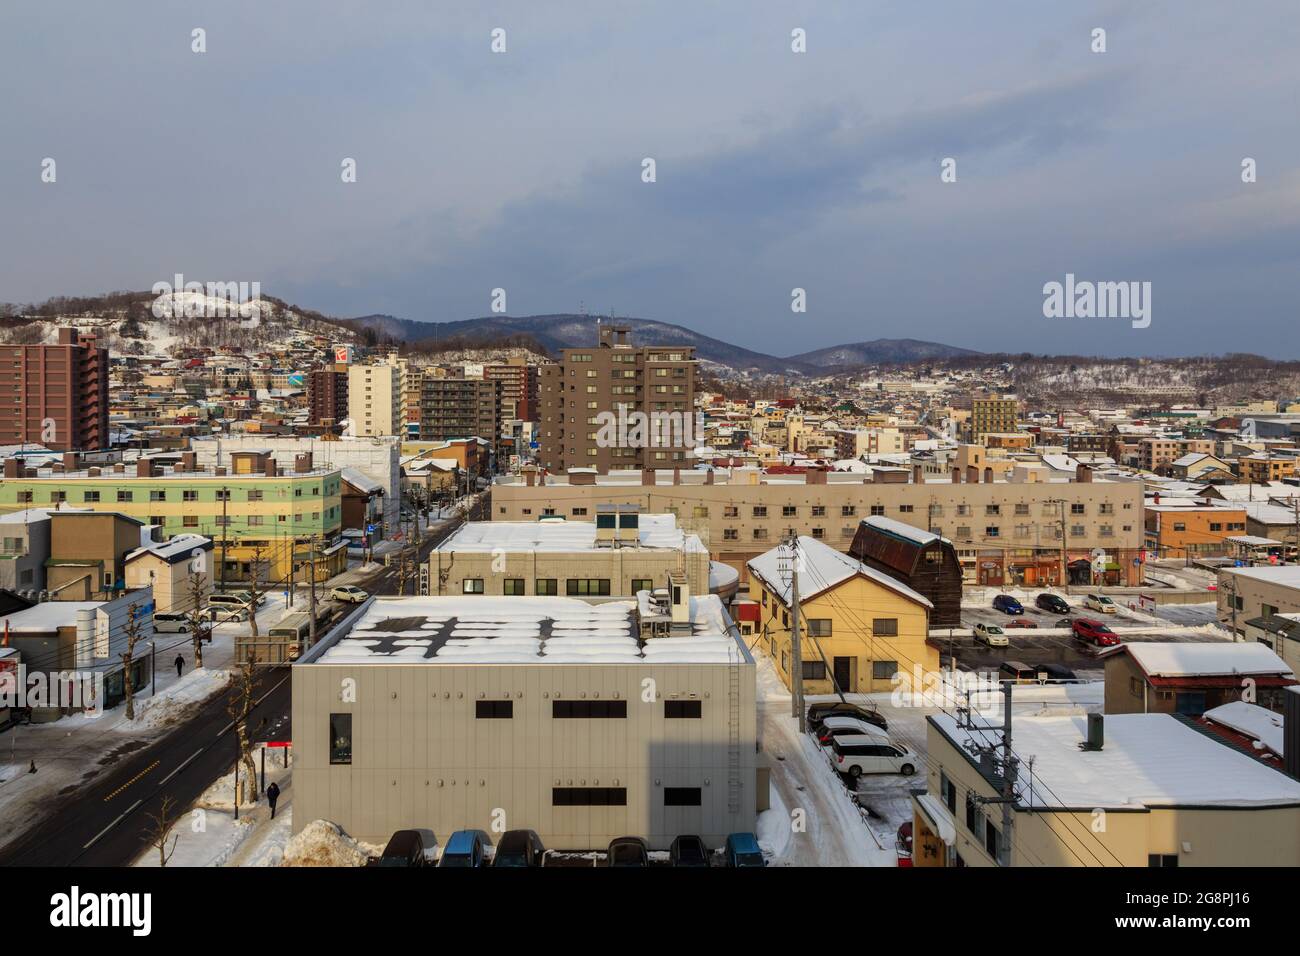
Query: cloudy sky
775	170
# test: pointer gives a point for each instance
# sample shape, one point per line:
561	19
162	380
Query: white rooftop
654	531
1148	760
1258	723
821	568
1205	660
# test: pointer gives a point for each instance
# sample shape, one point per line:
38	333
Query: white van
171	623
858	755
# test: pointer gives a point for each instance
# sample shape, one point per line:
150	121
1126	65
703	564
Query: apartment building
612	552
1176	529
1262	468
55	395
584	720
375	399
996	415
460	408
1247	594
327	394
519	388
1136	790
1157	454
1004	532
587	387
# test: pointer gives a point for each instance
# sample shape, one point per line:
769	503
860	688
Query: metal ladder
734	786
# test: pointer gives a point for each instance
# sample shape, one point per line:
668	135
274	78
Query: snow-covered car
858	755
991	635
833	727
349	594
1099	602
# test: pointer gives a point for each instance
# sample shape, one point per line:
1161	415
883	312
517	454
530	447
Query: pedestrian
180	663
272	795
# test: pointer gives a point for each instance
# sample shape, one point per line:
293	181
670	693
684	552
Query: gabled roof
822	569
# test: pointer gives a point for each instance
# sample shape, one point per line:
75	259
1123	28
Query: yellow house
860	626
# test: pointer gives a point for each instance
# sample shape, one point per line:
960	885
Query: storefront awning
937	815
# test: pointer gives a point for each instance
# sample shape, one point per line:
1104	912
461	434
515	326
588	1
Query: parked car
1021	622
349	594
627	851
465	848
1052	602
1021	673
841	708
171	623
1058	673
742	850
1093	632
833	727
991	635
223	614
408	848
1065	622
235	601
1007	604
1099	602
688	851
858	755
519	848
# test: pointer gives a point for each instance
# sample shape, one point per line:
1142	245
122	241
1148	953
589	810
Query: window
255	494
190	521
494	709
990	510
819	533
974	814
340	738
472	585
683	709
588	709
877	511
760	511
992	839
814	670
819	511
513	586
789	511
730	534
579	587
819	627
90	496
189	495
160	495
885	626
1077	509
1162	859
991	531
642	584
848	511
681	796
589	796
883	670
947	792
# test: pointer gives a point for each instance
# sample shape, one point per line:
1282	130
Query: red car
1093	632
1020	622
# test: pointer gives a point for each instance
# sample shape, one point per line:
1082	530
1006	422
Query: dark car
1007	604
842	708
627	851
688	851
1053	603
742	851
519	848
1093	632
405	848
464	848
1058	672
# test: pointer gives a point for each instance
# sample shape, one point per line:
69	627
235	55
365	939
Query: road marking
111	825
131	781
180	768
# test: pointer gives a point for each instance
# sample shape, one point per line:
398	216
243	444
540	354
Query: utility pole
796	638
311	623
225	528
1009	767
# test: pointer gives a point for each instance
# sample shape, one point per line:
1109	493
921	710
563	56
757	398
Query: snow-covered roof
1254	721
1205	660
174	549
901	529
1148	760
48	616
654	531
528	630
360	481
821	568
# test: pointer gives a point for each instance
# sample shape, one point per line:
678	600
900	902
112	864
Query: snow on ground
321	843
774	826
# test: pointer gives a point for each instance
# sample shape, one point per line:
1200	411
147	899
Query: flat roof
1147	761
653	531
526	630
1176	659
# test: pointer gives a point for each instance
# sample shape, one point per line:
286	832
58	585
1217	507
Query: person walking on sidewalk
272	795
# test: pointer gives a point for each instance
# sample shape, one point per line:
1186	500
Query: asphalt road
103	823
386	581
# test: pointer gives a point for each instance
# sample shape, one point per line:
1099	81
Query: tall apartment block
459	408
519	388
327	394
55	395
375	400
992	415
615	377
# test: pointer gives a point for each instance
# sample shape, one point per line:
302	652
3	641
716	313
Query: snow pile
174	703
321	843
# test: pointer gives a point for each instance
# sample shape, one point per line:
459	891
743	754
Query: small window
814	670
642	584
682	796
513	586
683	709
883	670
494	709
819	627
473	585
589	796
1162	859
546	586
588	709
884	626
340	738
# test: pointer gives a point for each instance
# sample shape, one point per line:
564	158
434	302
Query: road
103	822
387	580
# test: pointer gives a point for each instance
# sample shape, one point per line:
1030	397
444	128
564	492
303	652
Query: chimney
71	461
302	462
988	476
270	469
647	476
67	336
119	469
93	472
1096	734
814	476
956	475
918	475
677	476
144	468
219	471
1082	473
189	461
13	467
972	475
530	477
708	477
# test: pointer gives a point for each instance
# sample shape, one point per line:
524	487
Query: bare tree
132	630
240	705
199	625
164	821
255	571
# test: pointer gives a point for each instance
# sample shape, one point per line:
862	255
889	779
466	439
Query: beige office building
375	400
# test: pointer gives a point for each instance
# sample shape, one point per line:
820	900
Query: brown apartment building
459	408
327	394
612	378
55	395
519	388
1159	453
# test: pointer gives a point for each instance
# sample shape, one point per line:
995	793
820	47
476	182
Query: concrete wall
620	565
422	759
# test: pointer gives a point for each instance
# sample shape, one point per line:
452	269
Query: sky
774	170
